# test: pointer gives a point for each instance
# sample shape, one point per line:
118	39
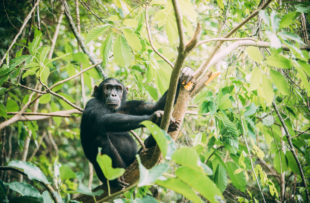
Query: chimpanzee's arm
117	122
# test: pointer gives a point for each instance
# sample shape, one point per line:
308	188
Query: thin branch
18	115
151	41
48	187
193	42
223	53
204	66
178	18
138	139
79	38
224	39
73	76
61	15
291	147
20	31
61	97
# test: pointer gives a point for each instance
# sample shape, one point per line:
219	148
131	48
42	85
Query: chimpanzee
108	118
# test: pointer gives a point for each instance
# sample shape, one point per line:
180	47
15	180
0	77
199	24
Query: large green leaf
279	61
201	183
288	19
32	171
133	40
280	82
148	177
220	177
95	33
123	55
106	48
187	156
163	140
237	179
24	189
266	91
105	164
179	186
254	54
66	172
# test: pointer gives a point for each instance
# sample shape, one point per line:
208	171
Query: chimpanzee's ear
96	93
126	89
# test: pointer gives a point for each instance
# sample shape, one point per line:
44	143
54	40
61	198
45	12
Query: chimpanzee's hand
156	116
186	75
174	125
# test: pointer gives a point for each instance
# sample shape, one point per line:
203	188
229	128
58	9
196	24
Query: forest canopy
244	129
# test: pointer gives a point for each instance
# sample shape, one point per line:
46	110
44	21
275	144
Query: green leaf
34	45
46	98
19	60
3	111
288	19
133	40
106	49
256	79
292	162
24	189
220	177
250	110
254	54
122	53
187	156
86	191
163	140
12	106
66	172
95	33
280	82
291	36
32	171
208	106
105	164
279	61
266	91
279	162
238	180
179	186
152	91
201	183
43	53
45	72
220	3
224	102
148	177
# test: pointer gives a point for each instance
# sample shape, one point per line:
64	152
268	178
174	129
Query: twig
66	113
79	38
151	41
60	96
224	39
38	146
73	76
61	15
138	139
18	115
249	151
193	42
49	188
20	31
291	147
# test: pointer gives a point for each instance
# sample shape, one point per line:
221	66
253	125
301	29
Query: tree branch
20	31
289	140
151	41
79	39
204	66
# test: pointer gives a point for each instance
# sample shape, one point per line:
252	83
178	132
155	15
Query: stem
291	147
248	148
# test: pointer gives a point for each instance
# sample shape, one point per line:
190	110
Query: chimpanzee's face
113	94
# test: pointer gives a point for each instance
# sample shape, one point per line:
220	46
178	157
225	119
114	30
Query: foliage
232	144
